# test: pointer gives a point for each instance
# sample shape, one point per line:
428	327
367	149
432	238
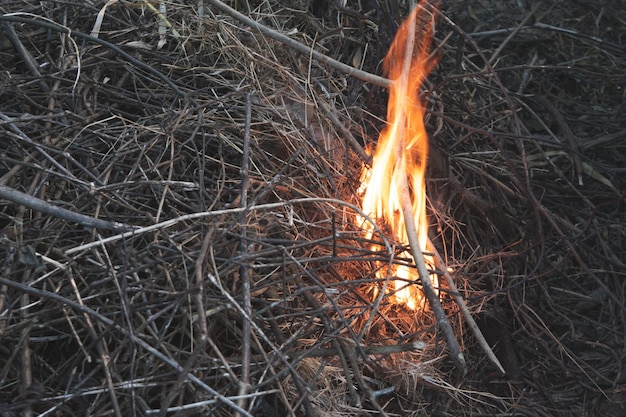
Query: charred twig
354	144
613	47
63	29
429	291
369	350
26	368
37	204
519	27
565	131
29	61
215	213
215	280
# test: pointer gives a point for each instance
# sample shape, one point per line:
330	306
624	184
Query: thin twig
28	59
26	370
409	219
613	47
217	281
514	32
236	210
566	131
370	350
100	347
63	29
244	383
203	338
133	338
356	146
308	50
429	291
456	296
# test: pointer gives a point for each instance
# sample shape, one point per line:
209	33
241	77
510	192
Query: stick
193	216
28	59
429	291
119	51
347	69
356	146
456	296
244	383
411	230
37	204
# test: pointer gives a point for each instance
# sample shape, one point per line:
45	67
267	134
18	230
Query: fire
402	150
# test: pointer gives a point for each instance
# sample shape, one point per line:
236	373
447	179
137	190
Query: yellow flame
403	150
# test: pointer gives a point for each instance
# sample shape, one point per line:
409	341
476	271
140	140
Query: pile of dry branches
178	185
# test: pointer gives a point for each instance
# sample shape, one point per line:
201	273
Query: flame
402	150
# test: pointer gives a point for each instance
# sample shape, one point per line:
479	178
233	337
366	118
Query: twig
23	136
514	32
613	47
203	404
244	383
217	281
345	132
456	296
565	131
409	220
368	350
26	368
29	61
347	69
133	338
604	140
429	291
203	338
64	29
236	210
101	342
37	204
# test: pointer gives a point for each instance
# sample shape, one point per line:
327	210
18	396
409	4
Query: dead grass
246	285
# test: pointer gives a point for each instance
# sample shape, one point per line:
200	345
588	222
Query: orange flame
403	149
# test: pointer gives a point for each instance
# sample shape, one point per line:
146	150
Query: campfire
179	190
399	161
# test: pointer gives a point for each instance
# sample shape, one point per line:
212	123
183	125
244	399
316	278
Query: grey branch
38	204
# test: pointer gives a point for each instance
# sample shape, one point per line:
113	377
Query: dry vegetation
244	286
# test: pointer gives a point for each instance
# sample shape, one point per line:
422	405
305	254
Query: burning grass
245	284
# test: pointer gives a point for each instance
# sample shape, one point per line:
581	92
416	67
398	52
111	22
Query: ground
179	205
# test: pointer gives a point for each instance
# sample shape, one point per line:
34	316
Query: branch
172	363
37	204
193	216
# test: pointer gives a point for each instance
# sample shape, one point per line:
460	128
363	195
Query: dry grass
247	286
